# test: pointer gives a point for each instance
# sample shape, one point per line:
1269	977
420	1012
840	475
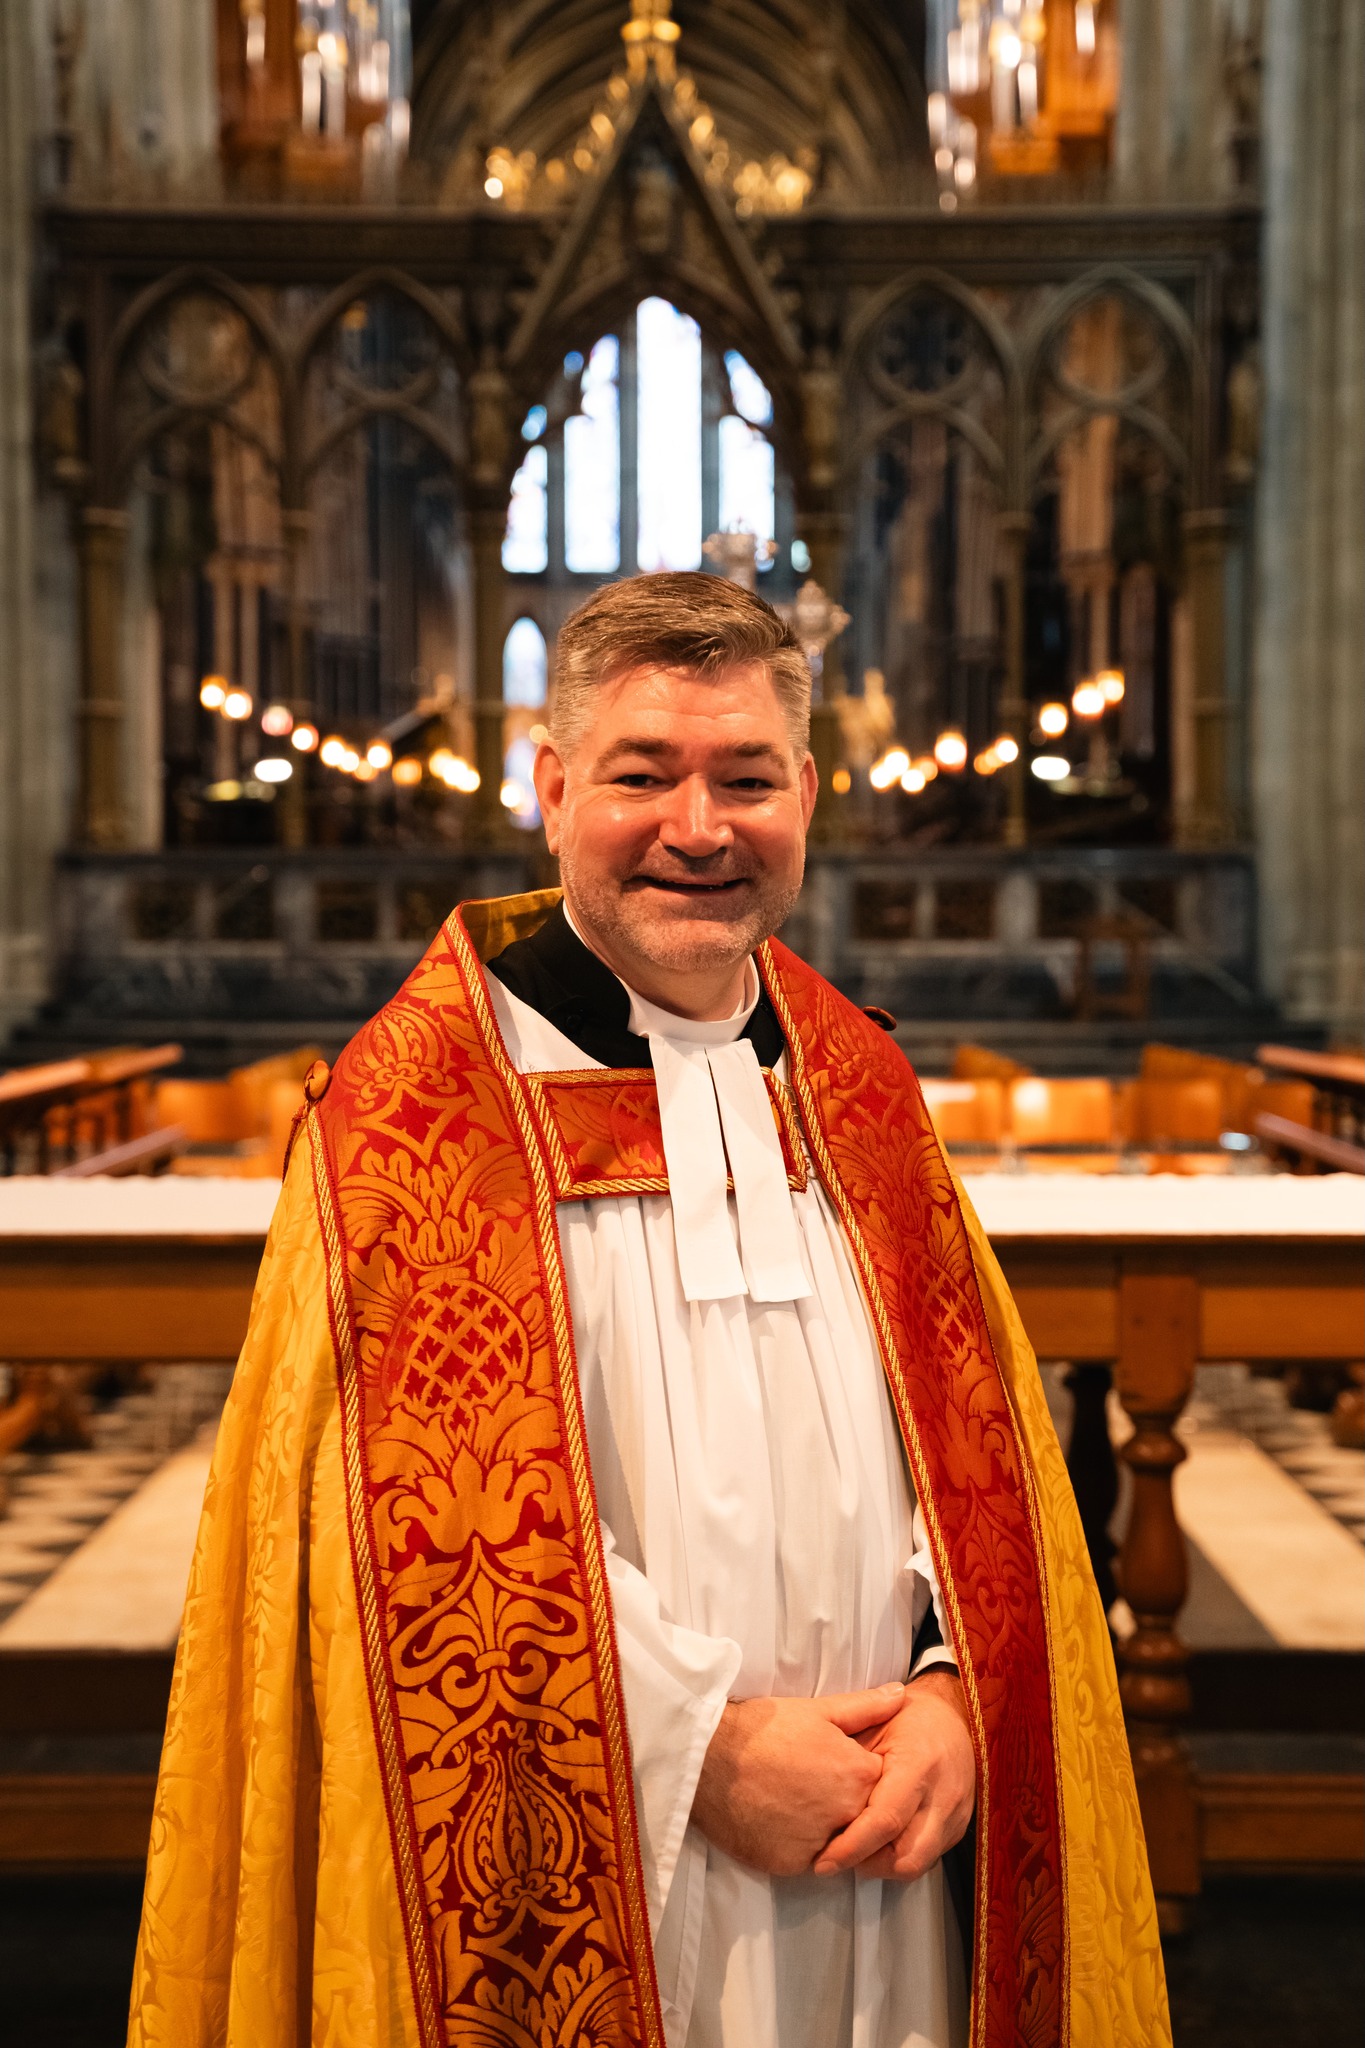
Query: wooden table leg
1094	1474
1158	1345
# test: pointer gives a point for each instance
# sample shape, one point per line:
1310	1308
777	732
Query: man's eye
636	779
749	784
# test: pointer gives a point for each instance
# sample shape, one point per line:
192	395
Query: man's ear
547	773
809	782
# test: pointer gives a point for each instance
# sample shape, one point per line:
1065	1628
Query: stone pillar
1171	131
1013	529
1139	134
823	533
26	835
1309	708
293	800
146	97
487	525
493	458
1206	815
100	810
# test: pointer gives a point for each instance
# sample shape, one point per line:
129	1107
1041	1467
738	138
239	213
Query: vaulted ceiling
838	81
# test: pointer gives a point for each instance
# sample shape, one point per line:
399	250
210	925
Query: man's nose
692	823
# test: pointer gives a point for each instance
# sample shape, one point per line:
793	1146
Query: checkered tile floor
59	1498
1298	1440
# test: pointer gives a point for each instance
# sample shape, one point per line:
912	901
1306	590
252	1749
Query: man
636	1540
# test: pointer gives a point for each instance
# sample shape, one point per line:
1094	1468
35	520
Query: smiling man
637	1546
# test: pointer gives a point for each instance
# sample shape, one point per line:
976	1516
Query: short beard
632	924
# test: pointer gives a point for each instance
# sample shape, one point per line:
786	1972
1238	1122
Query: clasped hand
880	1782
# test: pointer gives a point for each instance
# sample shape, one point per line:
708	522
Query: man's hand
922	1802
781	1775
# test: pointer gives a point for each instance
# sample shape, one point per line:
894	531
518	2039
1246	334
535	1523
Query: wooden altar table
1139	1277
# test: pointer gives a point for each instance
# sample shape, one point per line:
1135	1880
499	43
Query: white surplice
762	1539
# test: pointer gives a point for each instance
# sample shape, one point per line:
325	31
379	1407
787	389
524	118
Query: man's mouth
686	888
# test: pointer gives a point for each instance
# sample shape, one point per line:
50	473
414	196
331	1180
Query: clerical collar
572	989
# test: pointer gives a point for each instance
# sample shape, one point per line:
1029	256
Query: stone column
493	458
824	536
1207	817
293	798
1309	708
487	524
100	809
1013	528
1171	131
824	528
1139	137
26	836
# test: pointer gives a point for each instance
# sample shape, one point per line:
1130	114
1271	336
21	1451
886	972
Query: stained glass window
592	467
752	399
651	442
668	356
524	666
525	549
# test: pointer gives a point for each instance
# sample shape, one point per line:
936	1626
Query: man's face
680	821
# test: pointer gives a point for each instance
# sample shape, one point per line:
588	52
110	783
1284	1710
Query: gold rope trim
891	1366
410	1891
618	1755
1040	1560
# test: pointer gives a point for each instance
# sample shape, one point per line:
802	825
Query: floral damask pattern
604	1136
877	1153
510	1825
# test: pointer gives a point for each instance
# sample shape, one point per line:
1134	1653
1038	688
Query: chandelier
772	185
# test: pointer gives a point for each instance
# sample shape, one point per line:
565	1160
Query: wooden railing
85	1116
1334	1140
71	1120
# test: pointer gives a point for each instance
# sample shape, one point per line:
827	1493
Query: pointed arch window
524	666
653	441
592	466
525	676
524	549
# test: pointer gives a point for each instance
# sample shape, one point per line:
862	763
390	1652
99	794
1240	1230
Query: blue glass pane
524	666
753	400
573	363
669	358
533	426
519	796
746	478
524	551
592	468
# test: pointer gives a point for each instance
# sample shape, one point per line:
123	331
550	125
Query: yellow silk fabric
271	1916
1117	1980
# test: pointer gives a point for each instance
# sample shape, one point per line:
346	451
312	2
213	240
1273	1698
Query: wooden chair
966	1112
209	1111
1076	1112
979	1063
1176	1113
246	1118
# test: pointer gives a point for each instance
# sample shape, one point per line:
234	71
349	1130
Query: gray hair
678	619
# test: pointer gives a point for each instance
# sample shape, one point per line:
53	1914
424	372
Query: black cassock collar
572	989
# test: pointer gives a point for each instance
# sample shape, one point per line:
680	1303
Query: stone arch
1002	458
114	456
1189	457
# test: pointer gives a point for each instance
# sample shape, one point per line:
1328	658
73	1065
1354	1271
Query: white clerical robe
762	1539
